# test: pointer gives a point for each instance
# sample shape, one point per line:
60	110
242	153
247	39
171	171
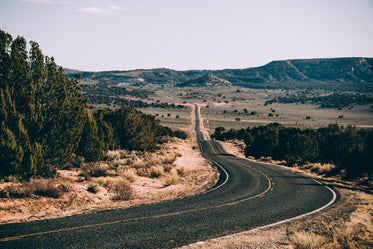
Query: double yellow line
154	216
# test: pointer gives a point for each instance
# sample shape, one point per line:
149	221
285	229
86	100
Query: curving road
248	195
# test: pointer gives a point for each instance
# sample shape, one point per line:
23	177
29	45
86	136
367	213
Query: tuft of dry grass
356	231
105	181
153	161
67	187
169	159
40	187
113	155
122	190
156	171
307	240
171	179
44	187
13	191
319	168
93	170
130	174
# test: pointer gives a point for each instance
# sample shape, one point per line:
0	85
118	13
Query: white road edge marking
221	167
276	223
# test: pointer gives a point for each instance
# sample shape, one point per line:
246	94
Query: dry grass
93	170
122	190
67	187
345	225
319	168
105	181
171	180
305	240
40	187
156	171
113	155
130	174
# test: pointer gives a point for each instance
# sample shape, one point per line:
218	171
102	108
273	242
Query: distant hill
207	80
340	74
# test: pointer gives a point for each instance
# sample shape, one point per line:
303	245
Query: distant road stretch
248	195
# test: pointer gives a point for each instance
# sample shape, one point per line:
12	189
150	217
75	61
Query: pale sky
97	35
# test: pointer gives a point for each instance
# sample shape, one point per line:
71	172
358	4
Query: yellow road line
154	216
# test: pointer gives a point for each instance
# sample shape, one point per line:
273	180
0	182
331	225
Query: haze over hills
340	74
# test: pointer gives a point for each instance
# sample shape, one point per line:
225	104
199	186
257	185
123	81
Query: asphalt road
248	195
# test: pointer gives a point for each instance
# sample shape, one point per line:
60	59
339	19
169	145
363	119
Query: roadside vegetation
332	150
45	122
111	179
329	100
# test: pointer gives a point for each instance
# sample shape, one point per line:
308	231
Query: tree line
334	100
45	122
349	148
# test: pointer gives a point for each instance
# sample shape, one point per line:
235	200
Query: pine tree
63	111
20	83
89	146
5	42
15	144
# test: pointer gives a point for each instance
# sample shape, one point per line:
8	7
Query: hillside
207	80
340	74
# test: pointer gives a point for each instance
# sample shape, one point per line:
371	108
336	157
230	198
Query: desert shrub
42	187
66	187
105	181
141	169
171	180
93	188
99	171
124	153
319	168
122	190
156	171
167	168
94	170
119	162
13	191
307	240
130	174
153	161
113	155
169	159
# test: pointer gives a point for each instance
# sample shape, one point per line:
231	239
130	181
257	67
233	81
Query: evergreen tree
5	42
63	111
17	157
89	146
